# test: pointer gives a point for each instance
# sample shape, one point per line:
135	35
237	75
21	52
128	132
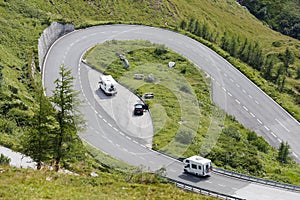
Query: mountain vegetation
281	15
221	23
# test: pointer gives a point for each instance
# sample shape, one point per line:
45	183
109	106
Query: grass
30	184
22	22
185	120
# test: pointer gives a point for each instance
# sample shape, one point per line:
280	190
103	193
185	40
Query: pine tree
183	24
191	25
37	141
283	152
66	101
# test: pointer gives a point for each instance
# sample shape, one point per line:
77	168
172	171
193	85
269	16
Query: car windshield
139	106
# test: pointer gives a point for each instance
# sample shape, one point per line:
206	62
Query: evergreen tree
65	99
224	42
37	141
283	152
242	50
233	47
191	25
197	28
287	59
183	24
205	30
267	69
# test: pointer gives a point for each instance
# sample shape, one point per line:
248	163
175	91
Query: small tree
283	152
37	141
68	117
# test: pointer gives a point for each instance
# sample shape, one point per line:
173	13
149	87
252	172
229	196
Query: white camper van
198	166
107	84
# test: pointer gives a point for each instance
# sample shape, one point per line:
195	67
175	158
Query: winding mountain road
232	91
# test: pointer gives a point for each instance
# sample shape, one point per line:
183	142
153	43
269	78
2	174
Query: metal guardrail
203	191
291	187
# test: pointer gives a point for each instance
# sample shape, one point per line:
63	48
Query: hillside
281	15
22	22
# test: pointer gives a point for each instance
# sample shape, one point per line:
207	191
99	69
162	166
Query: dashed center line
252	114
237	85
238	101
274	134
295	154
229	94
266	128
259	121
245	108
128	138
256	102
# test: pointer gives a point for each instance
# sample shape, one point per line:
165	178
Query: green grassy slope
21	23
44	184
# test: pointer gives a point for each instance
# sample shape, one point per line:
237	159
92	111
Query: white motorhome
198	166
107	84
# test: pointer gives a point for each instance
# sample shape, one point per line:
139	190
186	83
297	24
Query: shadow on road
193	178
101	94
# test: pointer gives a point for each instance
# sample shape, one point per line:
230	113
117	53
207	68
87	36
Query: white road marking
295	154
274	134
244	91
118	145
250	96
109	124
128	138
237	85
109	141
229	94
218	69
218	83
279	140
224	89
231	80
142	145
266	128
225	74
115	129
256	102
221	185
121	133
238	101
282	125
142	157
252	114
245	108
212	78
125	149
259	121
208	181
135	141
105	120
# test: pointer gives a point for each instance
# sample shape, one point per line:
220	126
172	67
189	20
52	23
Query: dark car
138	109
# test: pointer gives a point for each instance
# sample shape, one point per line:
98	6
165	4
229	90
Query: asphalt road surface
116	132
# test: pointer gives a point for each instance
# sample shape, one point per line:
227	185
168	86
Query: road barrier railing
291	187
202	191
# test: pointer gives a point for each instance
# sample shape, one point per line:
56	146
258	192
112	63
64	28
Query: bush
4	160
184	137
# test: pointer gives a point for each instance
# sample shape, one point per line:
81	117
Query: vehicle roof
108	78
138	105
199	159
